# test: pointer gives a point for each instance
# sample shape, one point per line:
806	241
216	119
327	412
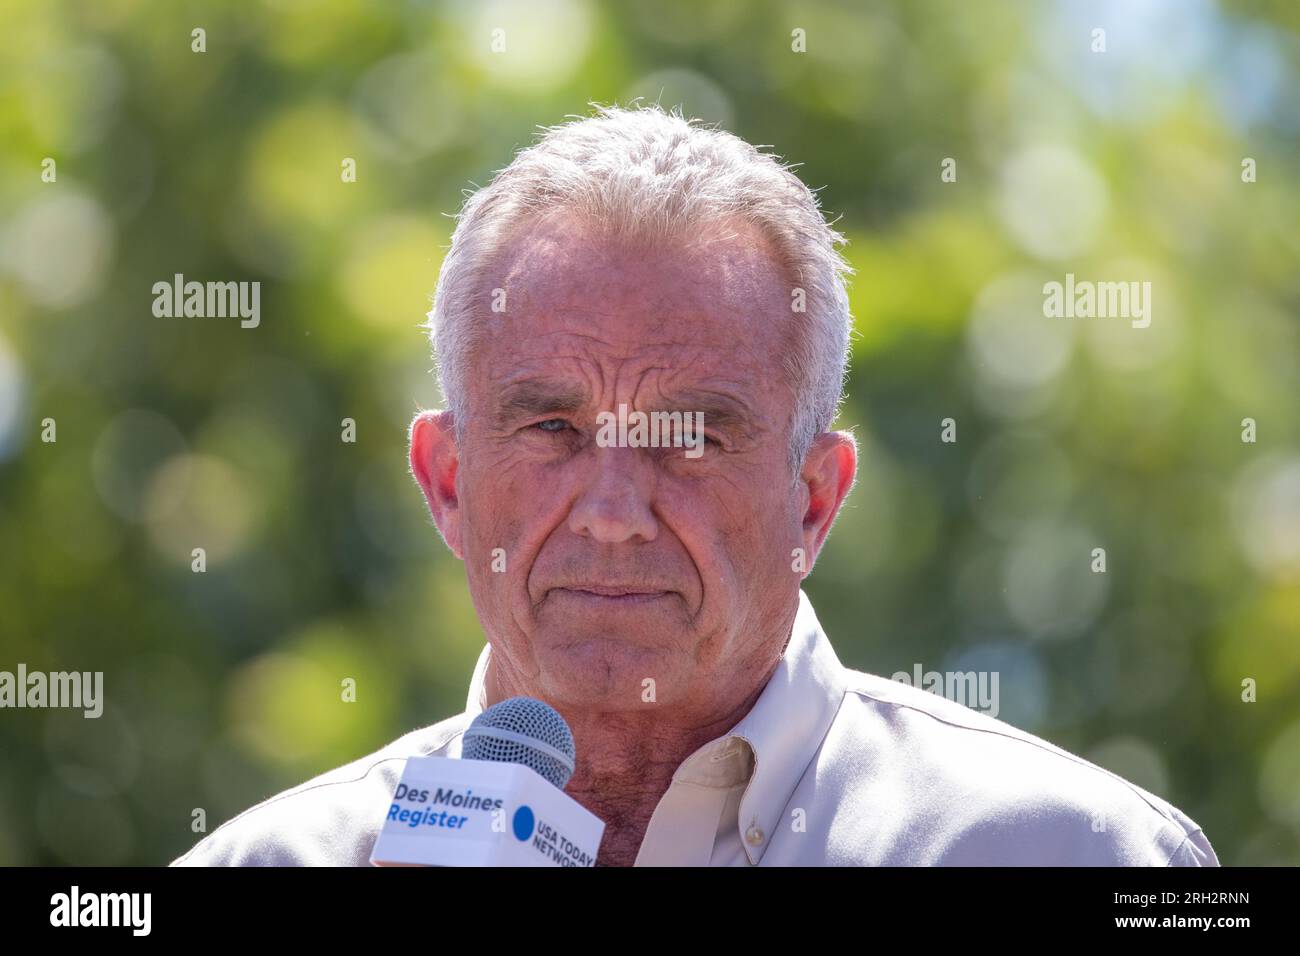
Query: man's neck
626	764
626	760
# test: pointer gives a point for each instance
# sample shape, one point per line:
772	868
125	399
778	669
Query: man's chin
585	669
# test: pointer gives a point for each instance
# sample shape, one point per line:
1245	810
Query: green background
224	687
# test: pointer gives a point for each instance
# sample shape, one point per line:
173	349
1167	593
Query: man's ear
827	474
434	462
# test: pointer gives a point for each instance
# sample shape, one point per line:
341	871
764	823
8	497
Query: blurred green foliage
1121	165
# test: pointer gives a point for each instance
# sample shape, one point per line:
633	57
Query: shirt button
754	835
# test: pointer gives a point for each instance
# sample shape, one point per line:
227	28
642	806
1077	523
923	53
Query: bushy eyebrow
532	397
720	411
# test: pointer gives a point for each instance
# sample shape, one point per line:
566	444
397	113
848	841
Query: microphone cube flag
456	812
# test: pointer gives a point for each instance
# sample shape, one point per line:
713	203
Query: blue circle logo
524	823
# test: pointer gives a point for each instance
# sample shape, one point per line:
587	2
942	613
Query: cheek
511	506
730	528
743	499
495	557
490	509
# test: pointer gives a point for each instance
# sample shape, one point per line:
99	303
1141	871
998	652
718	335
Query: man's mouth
619	594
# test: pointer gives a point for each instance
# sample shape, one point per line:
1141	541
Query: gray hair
653	175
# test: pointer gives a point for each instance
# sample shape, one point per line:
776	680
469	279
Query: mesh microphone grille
548	749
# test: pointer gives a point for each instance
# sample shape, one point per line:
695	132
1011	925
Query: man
651	594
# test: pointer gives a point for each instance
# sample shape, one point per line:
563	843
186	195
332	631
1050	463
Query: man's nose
614	503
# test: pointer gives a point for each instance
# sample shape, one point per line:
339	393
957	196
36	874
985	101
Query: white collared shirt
830	767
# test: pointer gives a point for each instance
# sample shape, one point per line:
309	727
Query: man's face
623	564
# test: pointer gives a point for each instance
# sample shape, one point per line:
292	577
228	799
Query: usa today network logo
547	840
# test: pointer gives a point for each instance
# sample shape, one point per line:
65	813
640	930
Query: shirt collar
786	726
477	699
774	742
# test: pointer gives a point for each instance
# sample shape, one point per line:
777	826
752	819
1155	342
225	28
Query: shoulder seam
1178	849
1049	748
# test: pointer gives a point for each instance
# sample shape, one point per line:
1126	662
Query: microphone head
523	730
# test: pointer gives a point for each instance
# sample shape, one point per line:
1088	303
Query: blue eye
552	425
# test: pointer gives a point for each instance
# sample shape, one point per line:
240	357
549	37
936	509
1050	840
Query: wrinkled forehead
706	305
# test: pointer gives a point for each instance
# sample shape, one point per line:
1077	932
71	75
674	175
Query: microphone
523	730
501	804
